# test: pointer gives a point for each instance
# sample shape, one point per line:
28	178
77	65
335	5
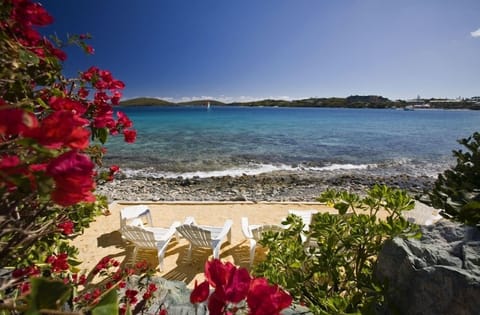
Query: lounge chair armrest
226	230
245	228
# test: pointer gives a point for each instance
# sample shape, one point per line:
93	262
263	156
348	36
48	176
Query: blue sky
255	49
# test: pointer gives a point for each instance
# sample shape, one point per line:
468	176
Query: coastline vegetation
354	101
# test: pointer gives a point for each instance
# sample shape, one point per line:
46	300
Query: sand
102	238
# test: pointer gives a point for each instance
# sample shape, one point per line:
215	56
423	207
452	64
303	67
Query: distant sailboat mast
208	105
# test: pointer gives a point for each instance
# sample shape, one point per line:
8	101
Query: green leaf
102	135
28	57
341	207
46	294
107	305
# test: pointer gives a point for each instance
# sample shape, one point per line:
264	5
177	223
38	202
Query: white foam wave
255	169
337	167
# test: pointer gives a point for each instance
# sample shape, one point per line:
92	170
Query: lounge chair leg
160	261
253	245
216	251
134	255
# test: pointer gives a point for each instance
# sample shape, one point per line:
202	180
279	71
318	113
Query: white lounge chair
149	238
306	216
255	232
135	215
205	236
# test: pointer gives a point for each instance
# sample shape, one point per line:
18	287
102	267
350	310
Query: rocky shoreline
256	188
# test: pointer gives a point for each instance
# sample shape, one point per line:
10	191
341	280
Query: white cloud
475	33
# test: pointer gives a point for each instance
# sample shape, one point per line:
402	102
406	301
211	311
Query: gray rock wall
438	274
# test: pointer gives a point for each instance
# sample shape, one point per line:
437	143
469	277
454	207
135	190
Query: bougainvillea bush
52	132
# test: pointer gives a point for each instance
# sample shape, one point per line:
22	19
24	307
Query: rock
438	274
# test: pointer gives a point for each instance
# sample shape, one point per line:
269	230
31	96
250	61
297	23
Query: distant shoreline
332	102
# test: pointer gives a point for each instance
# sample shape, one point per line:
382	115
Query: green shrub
332	271
457	190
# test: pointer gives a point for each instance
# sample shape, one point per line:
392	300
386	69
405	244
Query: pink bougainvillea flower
238	285
200	292
41	167
116	98
73	174
264	298
116	85
9	161
123	120
130	135
231	284
90	74
217	272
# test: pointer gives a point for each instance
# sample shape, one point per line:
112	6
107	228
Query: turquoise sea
195	141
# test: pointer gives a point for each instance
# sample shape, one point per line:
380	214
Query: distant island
354	101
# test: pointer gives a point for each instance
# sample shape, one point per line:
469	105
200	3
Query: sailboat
208	105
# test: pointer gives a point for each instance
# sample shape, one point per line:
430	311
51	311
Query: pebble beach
280	187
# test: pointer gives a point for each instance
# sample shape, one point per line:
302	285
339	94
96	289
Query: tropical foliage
457	190
334	259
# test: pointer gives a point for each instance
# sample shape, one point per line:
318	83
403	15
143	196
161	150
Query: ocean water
194	141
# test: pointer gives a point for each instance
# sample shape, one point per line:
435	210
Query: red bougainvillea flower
25	288
30	271
116	85
9	161
11	166
27	13
217	272
131	296
266	299
15	121
61	103
217	302
89	49
82	92
231	284
73	175
114	169
238	285
116	98
58	262
66	227
62	128
130	135
200	292
123	120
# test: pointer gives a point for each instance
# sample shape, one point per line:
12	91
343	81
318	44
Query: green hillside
201	103
145	101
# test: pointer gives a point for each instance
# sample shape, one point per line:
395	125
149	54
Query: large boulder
437	274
